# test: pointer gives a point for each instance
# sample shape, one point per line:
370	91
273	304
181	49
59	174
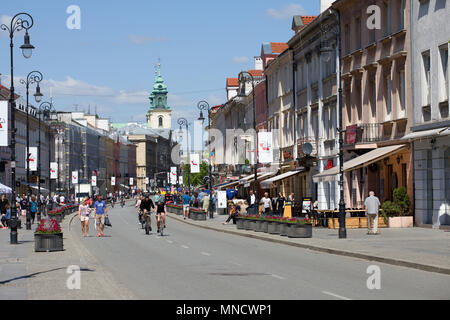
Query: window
443	78
402	14
388	95
160	122
387	17
359	100
402	84
358	33
426	87
347	38
373	95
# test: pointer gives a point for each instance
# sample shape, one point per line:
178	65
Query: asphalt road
192	263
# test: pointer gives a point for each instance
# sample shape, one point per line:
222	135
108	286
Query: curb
396	262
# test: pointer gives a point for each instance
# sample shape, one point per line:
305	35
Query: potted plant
273	226
240	221
397	213
197	214
299	228
56	214
48	236
283	226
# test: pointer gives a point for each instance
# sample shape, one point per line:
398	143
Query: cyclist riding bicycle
160	212
146	206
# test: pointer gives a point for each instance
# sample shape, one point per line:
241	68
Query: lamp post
17	24
203	105
327	51
32	77
243	75
45	108
184	122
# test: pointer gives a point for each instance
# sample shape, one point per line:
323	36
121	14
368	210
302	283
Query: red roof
232	82
256	73
278	47
308	19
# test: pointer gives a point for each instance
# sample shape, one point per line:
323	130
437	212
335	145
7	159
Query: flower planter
299	231
273	227
58	217
354	223
252	224
283	229
240	223
401	222
259	226
265	226
201	216
247	225
193	215
48	242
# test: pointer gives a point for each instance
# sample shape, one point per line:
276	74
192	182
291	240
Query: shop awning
427	134
261	175
361	161
269	183
227	185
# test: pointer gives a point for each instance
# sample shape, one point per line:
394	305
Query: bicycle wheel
147	227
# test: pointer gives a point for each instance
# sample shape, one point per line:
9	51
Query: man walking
252	203
186	201
372	205
267	203
100	211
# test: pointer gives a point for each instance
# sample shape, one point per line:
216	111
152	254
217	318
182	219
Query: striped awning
269	183
361	161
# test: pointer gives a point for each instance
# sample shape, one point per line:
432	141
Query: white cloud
286	12
140	40
75	87
4	19
137	97
240	60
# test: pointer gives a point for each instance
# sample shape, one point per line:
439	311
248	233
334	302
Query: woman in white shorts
83	215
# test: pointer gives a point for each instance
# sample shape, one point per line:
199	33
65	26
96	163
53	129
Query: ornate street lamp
45	108
326	52
184	122
243	78
203	105
17	24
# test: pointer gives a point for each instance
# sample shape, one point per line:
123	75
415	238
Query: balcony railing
363	133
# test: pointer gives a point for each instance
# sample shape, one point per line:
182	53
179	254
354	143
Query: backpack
33	207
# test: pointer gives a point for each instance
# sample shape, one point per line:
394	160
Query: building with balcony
430	131
377	100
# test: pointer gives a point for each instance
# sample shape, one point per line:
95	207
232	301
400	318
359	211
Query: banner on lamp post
146	180
94	181
33	153
74	177
3	123
195	163
131	181
113	181
265	147
180	180
53	170
173	175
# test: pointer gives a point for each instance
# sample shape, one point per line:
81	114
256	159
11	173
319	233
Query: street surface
193	263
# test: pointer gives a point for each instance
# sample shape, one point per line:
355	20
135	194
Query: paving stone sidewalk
29	275
421	248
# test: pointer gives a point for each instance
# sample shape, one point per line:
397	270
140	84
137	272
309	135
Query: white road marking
336	295
235	263
169	241
186	247
205	253
277	276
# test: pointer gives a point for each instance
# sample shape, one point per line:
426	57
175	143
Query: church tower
159	115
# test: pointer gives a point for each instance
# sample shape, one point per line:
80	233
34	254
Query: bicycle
148	228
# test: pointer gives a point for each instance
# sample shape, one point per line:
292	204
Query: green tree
196	178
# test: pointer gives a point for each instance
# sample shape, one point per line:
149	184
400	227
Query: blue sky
109	62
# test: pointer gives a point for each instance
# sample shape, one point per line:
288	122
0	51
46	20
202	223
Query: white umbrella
5	189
